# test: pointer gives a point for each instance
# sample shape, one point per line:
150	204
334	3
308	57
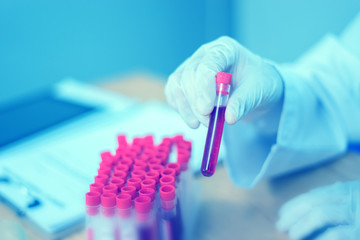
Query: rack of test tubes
142	191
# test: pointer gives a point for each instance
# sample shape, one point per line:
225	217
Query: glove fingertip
193	123
230	116
205	107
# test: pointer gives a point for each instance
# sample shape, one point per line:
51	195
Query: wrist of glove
325	213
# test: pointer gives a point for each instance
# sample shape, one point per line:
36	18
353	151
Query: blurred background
42	42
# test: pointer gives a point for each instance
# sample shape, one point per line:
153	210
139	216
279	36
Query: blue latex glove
325	213
256	84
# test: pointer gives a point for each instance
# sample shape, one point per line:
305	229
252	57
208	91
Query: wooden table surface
226	211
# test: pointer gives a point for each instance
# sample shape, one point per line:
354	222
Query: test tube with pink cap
169	220
146	227
109	227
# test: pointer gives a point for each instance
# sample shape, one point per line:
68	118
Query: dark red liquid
213	140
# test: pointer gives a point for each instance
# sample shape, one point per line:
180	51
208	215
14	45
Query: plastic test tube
216	124
146	227
170	219
92	214
125	220
109	229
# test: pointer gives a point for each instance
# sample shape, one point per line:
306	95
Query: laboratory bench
226	211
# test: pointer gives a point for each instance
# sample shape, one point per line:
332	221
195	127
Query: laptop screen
33	115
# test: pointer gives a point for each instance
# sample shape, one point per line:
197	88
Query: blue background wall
281	30
43	41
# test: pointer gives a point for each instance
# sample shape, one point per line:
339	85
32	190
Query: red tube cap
223	77
110	189
122	167
127	161
143	204
122	140
168	172
102	178
167	180
178	138
143	157
153	175
108	200
175	166
123	201
149	139
120	174
140	166
92	199
131	190
147	192
106	170
154	161
136	182
118	182
106	156
148	183
156	167
138	174
96	187
167	193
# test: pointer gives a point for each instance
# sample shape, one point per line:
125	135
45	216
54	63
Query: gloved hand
256	84
325	213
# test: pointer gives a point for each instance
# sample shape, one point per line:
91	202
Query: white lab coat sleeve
320	116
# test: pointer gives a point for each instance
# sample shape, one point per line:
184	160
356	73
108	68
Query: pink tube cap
143	204
106	170
157	167
187	145
183	156
167	193
127	161
167	180
168	172
121	139
148	183
131	190
223	77
147	192
140	166
138	174
102	178
123	201
143	157
136	182
108	200
122	167
153	175
118	182
110	189
120	174
149	139
163	156
96	187
154	161
178	138
105	156
92	199
175	166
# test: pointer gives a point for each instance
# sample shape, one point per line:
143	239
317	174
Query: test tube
92	214
146	229
216	124
108	227
170	218
125	218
